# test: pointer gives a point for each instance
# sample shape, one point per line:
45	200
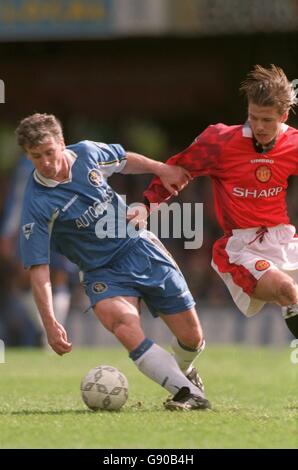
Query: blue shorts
147	271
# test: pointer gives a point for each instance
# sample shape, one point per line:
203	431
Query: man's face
265	122
47	157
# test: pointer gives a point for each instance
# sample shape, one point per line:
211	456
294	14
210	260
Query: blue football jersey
82	217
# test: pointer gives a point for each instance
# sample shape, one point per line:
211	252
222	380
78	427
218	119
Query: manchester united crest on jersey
262	264
94	177
263	173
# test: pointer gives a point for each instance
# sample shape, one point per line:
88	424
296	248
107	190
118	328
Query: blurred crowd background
151	75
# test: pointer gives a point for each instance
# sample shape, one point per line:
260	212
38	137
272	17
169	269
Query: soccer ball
104	388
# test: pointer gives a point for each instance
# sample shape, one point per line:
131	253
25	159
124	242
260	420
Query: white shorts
242	258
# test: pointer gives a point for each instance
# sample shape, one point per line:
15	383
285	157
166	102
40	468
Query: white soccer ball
104	388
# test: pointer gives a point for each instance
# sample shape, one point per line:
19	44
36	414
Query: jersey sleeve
200	159
111	158
34	237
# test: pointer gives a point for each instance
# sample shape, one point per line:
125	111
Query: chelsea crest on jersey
80	217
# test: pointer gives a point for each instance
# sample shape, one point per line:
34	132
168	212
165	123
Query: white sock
289	311
61	304
160	366
185	357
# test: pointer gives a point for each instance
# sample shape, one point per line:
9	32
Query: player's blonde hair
269	87
35	129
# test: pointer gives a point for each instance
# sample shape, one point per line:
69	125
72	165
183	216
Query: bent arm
157	192
42	292
199	159
138	164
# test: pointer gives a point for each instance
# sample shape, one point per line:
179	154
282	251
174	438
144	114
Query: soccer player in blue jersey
69	206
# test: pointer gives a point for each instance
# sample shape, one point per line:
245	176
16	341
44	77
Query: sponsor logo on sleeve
28	230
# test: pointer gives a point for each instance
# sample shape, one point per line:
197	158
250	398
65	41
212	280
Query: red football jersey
249	188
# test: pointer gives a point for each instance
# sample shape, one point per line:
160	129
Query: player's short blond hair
269	87
35	129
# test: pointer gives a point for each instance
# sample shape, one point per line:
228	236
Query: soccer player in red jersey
249	166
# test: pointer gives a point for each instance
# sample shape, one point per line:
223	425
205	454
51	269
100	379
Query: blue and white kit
84	219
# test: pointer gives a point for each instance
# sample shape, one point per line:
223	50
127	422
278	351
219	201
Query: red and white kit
249	190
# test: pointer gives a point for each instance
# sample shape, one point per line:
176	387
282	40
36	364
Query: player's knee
192	338
287	292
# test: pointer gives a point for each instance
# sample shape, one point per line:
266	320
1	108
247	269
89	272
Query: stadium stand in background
151	75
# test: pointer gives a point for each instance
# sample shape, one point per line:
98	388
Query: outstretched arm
42	291
157	192
173	178
199	159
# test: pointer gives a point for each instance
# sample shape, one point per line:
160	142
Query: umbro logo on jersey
99	287
261	160
28	230
94	177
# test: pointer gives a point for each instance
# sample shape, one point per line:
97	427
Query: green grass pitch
253	392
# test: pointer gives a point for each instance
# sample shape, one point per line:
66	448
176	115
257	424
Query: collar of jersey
71	157
247	132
